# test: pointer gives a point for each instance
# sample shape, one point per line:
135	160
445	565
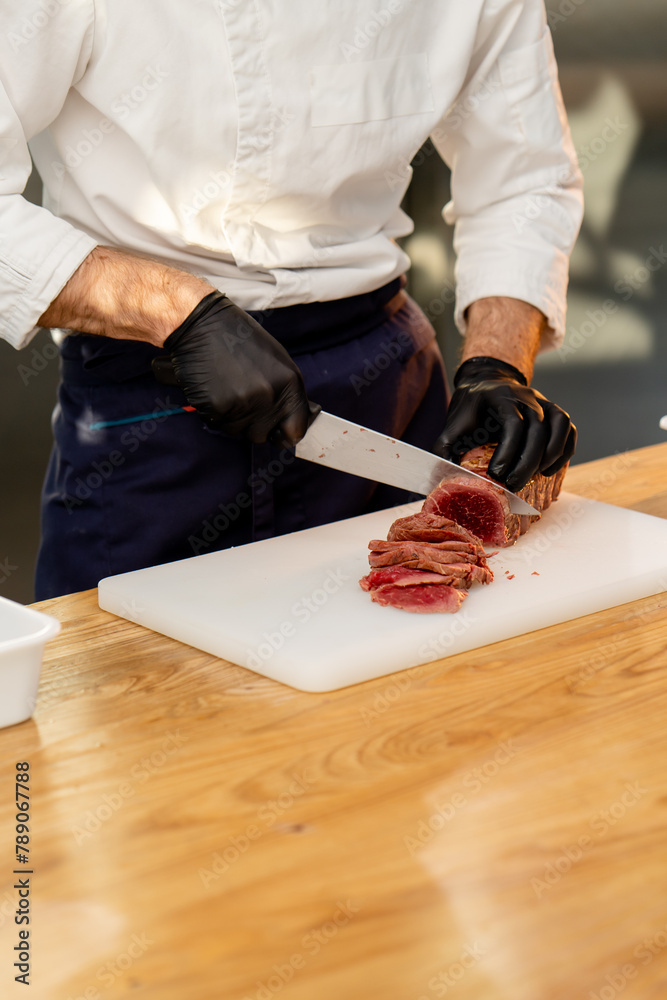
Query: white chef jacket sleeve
516	190
44	48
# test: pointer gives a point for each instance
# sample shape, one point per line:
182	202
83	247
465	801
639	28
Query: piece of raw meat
423	599
425	527
484	510
457	574
459	567
399	576
397	552
431	558
412	590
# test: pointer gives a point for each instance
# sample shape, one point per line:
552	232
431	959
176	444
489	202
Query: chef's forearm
117	294
504	328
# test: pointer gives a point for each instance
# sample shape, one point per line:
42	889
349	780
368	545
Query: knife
341	444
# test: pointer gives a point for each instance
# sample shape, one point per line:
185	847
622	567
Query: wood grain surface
492	826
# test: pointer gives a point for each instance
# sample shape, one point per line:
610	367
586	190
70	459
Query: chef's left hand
492	402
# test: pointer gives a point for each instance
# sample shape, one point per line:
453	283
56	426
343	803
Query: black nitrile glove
493	402
238	377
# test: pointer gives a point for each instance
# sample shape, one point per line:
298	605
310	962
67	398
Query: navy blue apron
166	487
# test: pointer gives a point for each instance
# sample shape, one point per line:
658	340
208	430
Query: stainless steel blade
340	444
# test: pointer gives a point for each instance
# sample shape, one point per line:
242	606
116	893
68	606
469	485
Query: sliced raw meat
431	558
449	551
460	574
413	590
484	510
539	492
402	554
399	576
424	599
435	558
424	527
460	568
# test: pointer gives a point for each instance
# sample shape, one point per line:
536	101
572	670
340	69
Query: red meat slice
431	558
413	590
423	599
484	510
441	551
462	568
458	574
425	527
399	576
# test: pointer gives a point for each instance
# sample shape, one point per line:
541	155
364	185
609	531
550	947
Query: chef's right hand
238	378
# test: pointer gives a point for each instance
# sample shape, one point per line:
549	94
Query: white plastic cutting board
291	607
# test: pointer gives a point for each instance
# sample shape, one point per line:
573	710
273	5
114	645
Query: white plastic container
23	634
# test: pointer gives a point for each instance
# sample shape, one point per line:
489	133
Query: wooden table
492	826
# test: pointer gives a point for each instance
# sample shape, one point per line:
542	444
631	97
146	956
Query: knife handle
276	437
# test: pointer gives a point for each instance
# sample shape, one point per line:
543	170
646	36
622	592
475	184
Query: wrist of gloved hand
476	369
493	403
238	378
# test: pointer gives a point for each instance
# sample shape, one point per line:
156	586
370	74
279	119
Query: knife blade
348	447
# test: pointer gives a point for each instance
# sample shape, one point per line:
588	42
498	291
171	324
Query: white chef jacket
266	145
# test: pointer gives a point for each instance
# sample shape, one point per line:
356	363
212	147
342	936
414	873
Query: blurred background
611	374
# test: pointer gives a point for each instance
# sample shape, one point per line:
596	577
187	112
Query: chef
217	247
